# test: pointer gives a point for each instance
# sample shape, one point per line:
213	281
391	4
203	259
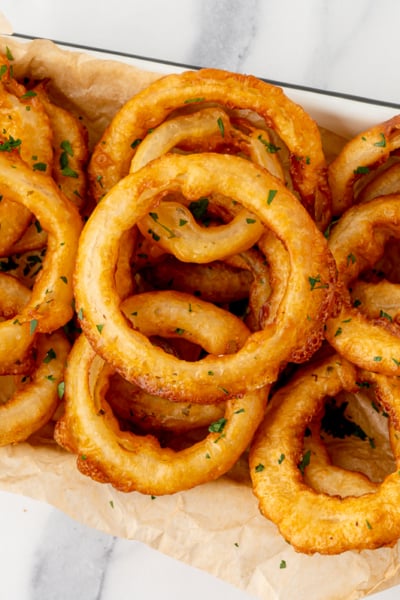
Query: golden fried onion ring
357	242
22	116
302	313
33	403
131	462
327	478
112	156
153	413
50	306
363	152
310	521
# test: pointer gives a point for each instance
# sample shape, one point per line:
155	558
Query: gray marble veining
225	32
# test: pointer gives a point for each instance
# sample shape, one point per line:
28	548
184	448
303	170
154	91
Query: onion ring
152	413
130	462
362	153
33	404
217	282
302	313
112	155
315	522
21	117
327	478
357	242
50	306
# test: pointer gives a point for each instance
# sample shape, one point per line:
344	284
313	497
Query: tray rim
178	65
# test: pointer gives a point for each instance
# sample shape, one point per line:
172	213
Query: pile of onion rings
40	228
231	280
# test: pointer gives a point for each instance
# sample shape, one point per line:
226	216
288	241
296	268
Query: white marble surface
346	47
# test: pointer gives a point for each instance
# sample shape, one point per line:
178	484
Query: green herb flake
385	315
136	143
250	221
316	283
191	100
199	207
271	196
68	172
61	389
50	355
351	259
281	459
221	126
99	327
28	94
282	564
259	468
361	170
66	146
217	426
39	166
10	144
381	143
32	326
305	461
368	524
271	148
179	331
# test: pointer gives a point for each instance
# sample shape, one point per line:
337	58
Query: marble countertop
346	47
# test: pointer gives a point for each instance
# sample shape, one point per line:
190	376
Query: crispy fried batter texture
132	462
315	521
112	156
357	242
362	153
302	312
50	305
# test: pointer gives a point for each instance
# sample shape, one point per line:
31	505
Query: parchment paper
216	527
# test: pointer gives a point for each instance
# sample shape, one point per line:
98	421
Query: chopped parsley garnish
271	195
316	284
61	389
32	326
10	144
50	355
305	461
381	143
221	127
190	100
361	170
271	148
198	208
217	426
39	166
